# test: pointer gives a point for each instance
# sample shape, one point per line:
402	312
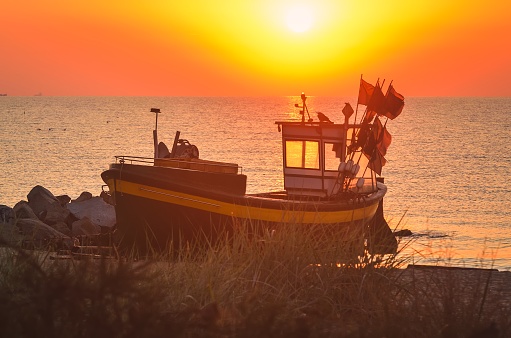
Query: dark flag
368	142
358	138
382	136
377	102
375	106
377	162
377	142
368	117
365	92
394	103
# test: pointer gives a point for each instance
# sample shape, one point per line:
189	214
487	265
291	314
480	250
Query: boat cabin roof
312	130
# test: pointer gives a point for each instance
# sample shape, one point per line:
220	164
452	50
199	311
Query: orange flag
376	105
365	92
394	103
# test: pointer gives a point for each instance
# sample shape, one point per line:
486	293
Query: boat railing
368	186
133	160
184	163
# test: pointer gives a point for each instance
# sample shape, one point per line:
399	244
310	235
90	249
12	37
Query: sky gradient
249	48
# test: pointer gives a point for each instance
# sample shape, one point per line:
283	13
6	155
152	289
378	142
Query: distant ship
3	94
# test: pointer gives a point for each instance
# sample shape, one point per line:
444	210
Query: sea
448	171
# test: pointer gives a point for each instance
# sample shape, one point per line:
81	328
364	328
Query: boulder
54	216
46	206
39	234
96	210
62	227
403	233
63	199
40	198
23	210
6	213
10	234
84	196
85	227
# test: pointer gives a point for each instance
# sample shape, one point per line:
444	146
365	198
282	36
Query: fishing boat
175	197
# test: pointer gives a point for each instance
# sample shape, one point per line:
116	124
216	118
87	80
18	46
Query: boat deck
283	195
184	163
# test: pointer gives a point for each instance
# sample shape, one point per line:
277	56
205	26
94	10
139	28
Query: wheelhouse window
302	154
332	155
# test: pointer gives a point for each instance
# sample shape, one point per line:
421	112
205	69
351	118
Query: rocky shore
48	221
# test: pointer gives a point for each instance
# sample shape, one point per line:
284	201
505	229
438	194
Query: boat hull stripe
180	197
237	210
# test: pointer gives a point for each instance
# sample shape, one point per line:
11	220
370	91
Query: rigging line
358	98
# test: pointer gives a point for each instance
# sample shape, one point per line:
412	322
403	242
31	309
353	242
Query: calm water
448	167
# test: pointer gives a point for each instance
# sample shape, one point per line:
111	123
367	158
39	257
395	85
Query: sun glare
299	18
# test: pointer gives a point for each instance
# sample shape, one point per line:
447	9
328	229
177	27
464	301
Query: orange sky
245	48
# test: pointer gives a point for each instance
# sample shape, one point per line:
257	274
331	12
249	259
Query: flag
394	103
382	137
375	147
365	92
368	116
370	150
368	143
359	138
377	162
376	105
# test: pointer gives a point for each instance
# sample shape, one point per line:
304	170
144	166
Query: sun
299	18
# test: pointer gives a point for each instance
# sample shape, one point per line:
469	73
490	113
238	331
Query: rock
10	234
84	196
63	199
39	234
39	198
403	233
58	215
46	206
84	226
62	227
96	210
6	213
23	210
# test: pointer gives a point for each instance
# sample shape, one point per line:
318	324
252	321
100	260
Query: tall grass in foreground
288	283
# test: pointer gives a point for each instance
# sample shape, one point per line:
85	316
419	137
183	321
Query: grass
282	284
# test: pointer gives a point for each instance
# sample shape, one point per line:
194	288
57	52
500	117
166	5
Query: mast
302	111
156	111
347	111
303	108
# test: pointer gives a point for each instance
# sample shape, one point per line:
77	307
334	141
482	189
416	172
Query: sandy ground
471	285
